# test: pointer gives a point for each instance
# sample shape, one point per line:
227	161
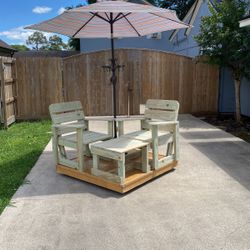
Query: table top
118	118
120	145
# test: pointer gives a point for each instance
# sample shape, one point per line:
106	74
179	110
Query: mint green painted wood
144	158
122	169
160	122
176	142
95	161
116	149
68	117
54	145
162	104
120	128
65	107
155	146
79	133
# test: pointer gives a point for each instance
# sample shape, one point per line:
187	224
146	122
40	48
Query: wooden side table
116	149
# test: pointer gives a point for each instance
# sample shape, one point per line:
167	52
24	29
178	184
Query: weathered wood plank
65	107
147	74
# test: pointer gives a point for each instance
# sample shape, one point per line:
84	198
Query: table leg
121	128
95	161
121	168
144	159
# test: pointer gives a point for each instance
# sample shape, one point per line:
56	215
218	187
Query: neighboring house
5	49
245	22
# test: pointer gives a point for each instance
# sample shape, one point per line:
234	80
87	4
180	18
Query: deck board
134	177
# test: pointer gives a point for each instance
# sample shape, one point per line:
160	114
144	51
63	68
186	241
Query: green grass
20	147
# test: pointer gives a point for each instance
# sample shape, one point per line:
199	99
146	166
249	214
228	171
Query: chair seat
146	135
88	137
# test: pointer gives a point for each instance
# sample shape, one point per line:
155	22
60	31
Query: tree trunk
237	100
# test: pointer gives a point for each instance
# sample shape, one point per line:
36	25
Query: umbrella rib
117	19
96	14
131	25
84	25
166	18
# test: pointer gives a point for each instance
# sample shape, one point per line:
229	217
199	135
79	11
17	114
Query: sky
16	14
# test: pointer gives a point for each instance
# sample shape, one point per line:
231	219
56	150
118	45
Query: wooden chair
160	113
70	129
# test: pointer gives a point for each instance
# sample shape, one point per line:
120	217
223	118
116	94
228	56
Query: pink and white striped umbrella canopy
128	20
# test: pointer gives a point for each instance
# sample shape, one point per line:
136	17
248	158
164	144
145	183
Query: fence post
2	95
62	78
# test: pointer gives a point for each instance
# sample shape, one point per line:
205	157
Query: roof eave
245	22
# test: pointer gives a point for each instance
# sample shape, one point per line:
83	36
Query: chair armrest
99	118
156	123
62	126
130	118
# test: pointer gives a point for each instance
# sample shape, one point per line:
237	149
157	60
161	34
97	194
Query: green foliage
40	42
226	44
223	41
180	6
21	145
55	43
37	40
20	47
74	44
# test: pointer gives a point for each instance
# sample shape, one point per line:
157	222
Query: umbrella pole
113	69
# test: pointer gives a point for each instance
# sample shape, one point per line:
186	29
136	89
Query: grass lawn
20	147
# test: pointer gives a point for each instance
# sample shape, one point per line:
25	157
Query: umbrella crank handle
113	79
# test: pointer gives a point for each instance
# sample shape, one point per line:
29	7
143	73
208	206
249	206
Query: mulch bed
228	124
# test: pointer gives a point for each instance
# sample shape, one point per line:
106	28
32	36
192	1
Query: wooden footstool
116	149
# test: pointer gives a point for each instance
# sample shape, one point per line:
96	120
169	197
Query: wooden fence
8	91
39	85
146	74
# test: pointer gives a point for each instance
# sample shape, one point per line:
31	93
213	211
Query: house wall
186	45
95	44
227	99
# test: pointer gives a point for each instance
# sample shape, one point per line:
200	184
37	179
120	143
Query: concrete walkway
203	204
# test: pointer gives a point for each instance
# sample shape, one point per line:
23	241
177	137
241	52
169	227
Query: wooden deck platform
134	177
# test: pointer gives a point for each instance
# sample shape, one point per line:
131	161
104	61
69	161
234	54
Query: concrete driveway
203	204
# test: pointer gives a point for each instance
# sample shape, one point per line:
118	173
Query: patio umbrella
112	19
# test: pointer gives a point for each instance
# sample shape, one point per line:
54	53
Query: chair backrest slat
68	117
166	110
66	112
162	104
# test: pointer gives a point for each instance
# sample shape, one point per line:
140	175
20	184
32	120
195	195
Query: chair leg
54	146
169	149
176	142
144	159
155	147
95	161
121	169
80	150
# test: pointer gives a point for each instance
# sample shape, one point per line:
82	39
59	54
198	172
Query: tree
74	44
180	6
37	40
55	43
226	44
19	47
